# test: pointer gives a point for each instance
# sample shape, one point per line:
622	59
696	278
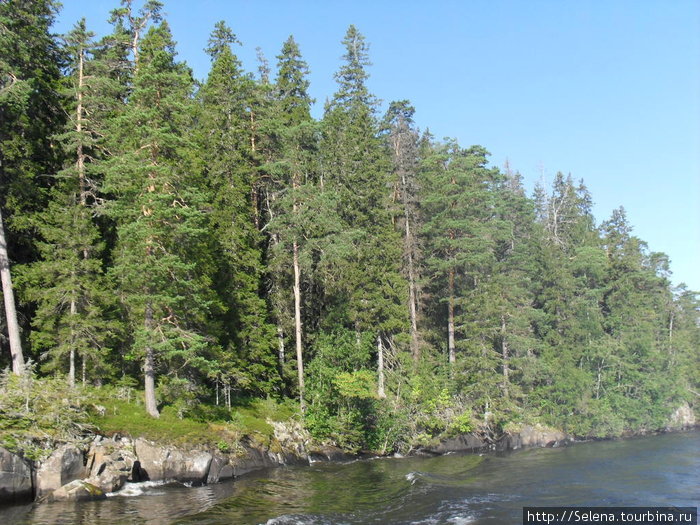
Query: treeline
212	241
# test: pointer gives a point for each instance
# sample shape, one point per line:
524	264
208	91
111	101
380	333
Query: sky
607	91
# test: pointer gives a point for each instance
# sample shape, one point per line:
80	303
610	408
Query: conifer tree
68	283
293	189
230	169
356	167
403	143
29	115
160	259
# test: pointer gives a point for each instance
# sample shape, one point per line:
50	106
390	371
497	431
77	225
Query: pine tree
160	259
402	141
68	283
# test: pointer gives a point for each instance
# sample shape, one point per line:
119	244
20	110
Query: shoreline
71	474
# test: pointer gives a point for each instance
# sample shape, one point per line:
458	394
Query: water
453	489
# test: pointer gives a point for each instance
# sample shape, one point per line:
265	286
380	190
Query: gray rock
251	459
220	469
166	462
64	465
110	463
682	417
15	477
76	490
329	453
463	442
535	436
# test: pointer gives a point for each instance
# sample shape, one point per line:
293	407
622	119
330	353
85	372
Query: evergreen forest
203	244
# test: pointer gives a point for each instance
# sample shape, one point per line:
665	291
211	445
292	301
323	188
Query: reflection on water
453	489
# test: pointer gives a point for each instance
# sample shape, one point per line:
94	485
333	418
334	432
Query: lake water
453	489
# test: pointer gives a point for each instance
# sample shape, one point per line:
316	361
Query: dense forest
207	242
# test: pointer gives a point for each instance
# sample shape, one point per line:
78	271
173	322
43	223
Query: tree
230	169
459	225
371	294
160	260
68	283
403	143
29	114
291	170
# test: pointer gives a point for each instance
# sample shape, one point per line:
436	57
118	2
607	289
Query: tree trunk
380	368
506	357
412	309
149	370
10	311
297	321
71	365
451	318
280	347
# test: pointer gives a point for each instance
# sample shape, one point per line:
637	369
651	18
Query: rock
15	477
166	462
463	442
64	465
76	490
329	453
110	463
682	417
251	459
535	436
220	469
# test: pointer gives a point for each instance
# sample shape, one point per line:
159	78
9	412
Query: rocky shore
75	473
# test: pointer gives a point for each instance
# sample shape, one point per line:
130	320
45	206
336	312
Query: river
659	470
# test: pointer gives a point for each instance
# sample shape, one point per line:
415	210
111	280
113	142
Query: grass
215	426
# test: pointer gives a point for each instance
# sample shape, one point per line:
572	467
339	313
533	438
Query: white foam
461	520
412	477
136	489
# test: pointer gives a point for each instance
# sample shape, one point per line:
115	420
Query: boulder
110	463
64	465
15	477
329	453
166	462
76	490
683	417
535	436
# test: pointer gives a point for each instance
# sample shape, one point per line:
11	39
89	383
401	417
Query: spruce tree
29	116
68	283
230	165
292	189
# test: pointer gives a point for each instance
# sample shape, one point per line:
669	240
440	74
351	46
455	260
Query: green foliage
37	413
204	233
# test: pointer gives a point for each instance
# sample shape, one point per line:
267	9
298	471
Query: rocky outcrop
15	478
110	463
329	453
682	418
166	462
460	443
534	436
64	465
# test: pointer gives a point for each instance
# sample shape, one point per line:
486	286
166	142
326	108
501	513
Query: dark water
453	489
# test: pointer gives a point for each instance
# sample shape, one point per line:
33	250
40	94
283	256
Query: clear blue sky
607	90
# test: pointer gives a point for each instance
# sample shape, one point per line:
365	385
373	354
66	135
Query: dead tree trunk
10	311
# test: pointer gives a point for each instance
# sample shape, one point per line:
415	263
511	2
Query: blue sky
608	91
